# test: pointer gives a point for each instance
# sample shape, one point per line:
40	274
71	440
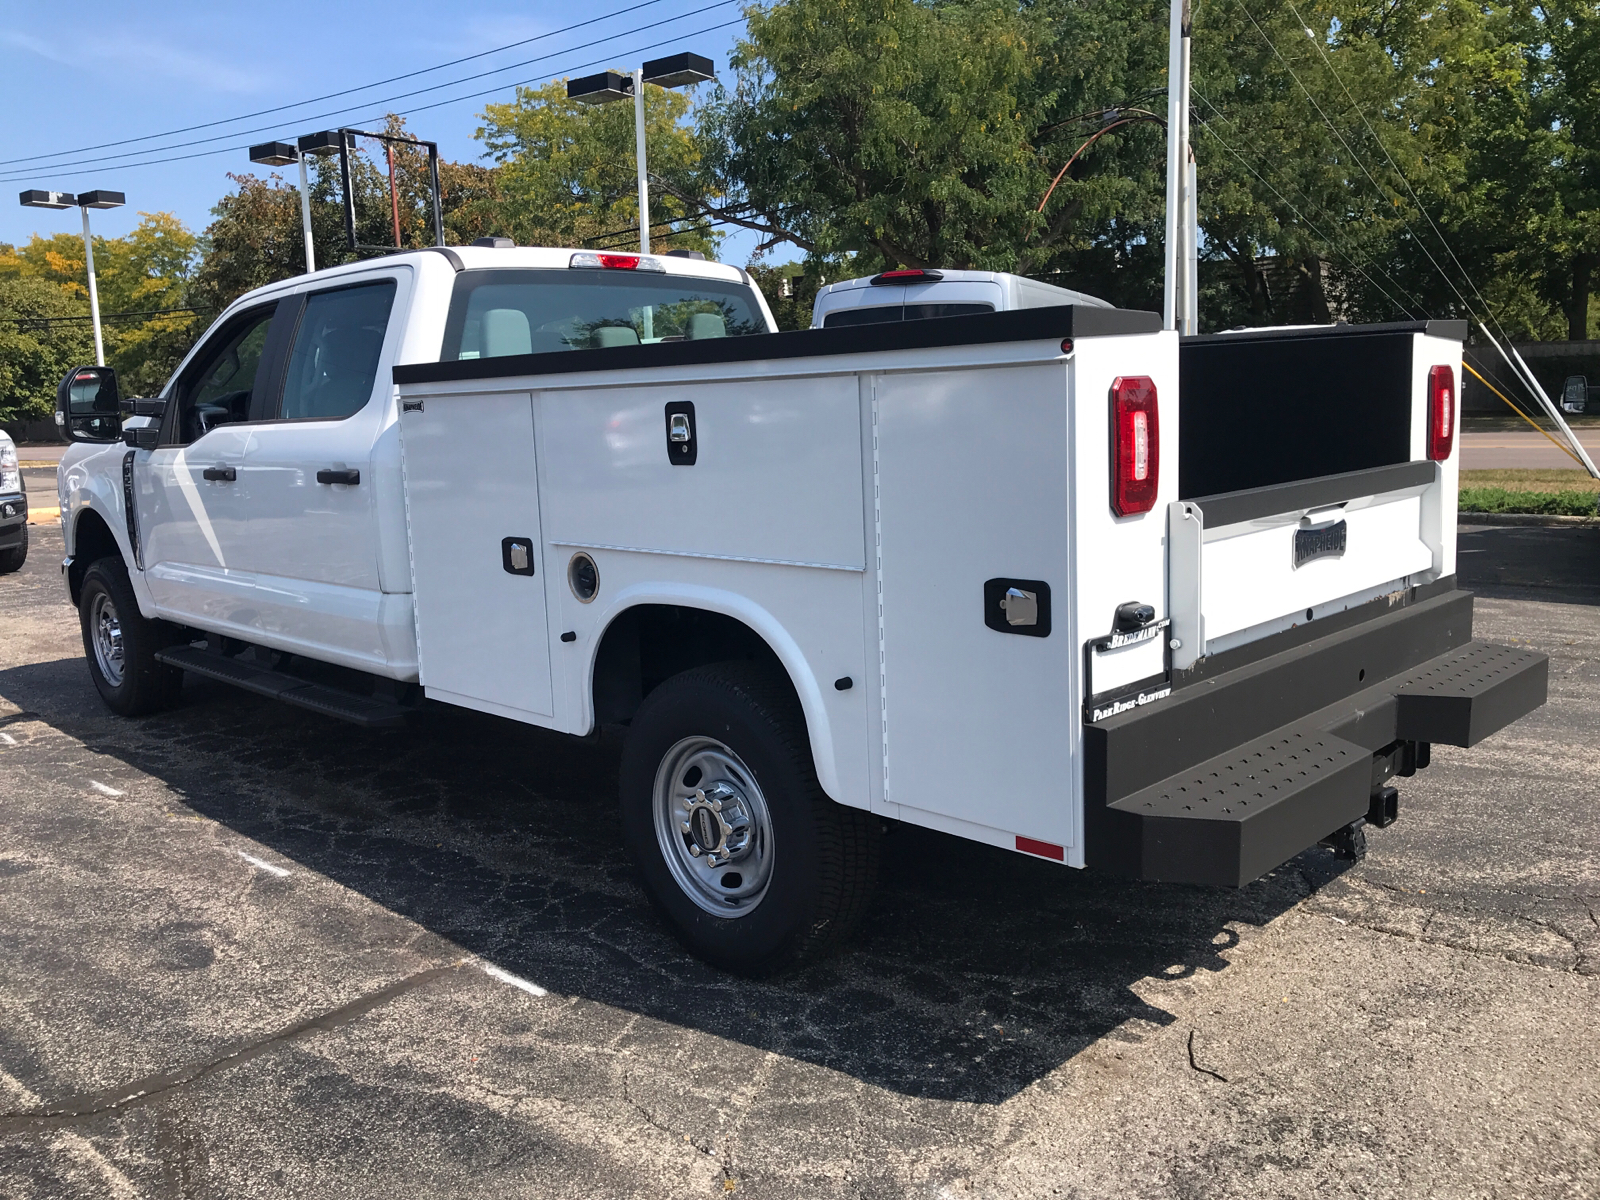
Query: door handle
220	474
350	476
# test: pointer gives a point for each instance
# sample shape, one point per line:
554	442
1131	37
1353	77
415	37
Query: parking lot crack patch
1197	1066
80	1109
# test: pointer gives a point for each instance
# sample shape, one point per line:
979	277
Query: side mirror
1575	393
142	433
88	408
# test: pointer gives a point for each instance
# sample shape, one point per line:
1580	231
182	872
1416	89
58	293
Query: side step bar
372	712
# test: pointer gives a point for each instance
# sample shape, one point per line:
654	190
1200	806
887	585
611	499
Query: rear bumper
1239	771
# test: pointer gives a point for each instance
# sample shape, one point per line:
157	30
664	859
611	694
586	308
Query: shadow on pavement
976	973
1530	562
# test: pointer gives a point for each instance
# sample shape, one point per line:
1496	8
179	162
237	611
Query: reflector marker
1042	849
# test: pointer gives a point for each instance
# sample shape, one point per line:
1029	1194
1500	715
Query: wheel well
92	539
649	643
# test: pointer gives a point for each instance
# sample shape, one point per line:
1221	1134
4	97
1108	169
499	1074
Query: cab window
334	363
217	389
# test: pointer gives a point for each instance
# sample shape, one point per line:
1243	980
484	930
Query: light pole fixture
342	142
84	201
676	70
281	154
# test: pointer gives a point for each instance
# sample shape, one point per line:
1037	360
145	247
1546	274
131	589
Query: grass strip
1506	500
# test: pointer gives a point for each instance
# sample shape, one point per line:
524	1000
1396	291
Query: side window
217	388
335	358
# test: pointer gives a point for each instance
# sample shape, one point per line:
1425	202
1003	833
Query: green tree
568	173
37	347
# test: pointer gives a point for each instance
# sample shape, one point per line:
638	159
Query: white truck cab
915	293
1045	578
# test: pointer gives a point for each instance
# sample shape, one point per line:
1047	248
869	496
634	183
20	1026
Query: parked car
1043	579
13	508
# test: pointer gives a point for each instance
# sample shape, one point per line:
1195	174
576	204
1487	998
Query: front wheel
742	853
121	645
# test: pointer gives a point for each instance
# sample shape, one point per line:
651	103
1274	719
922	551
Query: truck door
193	495
472	508
313	545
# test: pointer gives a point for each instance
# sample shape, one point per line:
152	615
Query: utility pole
100	198
638	155
1180	290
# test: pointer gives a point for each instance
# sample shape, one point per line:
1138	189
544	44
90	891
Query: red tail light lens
1135	445
1441	413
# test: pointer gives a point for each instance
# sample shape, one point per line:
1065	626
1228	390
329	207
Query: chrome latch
680	428
1021	607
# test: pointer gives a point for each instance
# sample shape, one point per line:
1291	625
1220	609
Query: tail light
908	275
1135	445
1441	413
615	262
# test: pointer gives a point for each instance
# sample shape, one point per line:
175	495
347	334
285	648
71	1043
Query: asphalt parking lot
250	952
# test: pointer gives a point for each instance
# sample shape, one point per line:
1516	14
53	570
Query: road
1522	448
250	952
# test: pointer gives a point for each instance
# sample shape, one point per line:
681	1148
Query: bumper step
1235	817
1461	698
372	712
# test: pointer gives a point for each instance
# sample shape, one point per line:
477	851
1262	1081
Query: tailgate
1247	564
1305	479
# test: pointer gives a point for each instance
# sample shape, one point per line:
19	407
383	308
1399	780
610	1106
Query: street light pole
675	70
98	198
281	154
94	292
638	154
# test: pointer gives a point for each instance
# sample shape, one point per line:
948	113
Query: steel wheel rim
105	629
706	787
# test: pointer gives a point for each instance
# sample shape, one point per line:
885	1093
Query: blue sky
79	75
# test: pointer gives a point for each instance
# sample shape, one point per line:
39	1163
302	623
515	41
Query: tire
121	645
12	559
797	870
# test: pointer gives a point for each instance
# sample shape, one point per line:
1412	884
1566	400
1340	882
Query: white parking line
105	790
516	981
265	866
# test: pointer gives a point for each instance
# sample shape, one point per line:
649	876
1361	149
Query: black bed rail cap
1023	325
1456	330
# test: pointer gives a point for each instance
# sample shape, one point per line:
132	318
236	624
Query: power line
1329	241
19	173
116	316
454	62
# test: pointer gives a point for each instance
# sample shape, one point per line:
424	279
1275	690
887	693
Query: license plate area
1312	542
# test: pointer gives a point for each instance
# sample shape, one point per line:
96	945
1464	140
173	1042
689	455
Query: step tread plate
1238	815
1461	698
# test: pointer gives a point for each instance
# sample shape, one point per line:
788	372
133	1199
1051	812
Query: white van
912	293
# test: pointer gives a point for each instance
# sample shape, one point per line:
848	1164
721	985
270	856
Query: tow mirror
1575	393
88	407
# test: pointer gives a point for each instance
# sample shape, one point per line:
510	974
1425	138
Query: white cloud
137	56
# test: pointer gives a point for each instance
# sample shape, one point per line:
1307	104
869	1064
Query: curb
44	516
1536	519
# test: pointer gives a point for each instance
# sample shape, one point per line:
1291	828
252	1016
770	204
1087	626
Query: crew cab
1046	579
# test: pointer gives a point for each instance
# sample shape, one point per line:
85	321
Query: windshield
495	313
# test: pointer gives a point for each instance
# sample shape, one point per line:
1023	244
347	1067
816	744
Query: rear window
900	312
496	313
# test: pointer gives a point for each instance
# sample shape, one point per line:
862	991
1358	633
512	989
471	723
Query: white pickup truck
1045	579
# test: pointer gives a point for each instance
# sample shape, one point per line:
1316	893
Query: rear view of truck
1318	644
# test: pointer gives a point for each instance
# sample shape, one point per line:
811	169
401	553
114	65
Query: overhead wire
1327	240
19	173
1513	359
1519	366
454	62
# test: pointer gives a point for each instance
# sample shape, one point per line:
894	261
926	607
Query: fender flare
766	626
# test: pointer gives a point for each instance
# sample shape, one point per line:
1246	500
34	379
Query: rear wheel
12	559
121	645
742	853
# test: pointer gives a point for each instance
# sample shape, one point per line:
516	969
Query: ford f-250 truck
1045	579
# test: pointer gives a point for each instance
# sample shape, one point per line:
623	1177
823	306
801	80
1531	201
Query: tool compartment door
472	513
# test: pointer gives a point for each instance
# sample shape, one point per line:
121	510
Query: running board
371	712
